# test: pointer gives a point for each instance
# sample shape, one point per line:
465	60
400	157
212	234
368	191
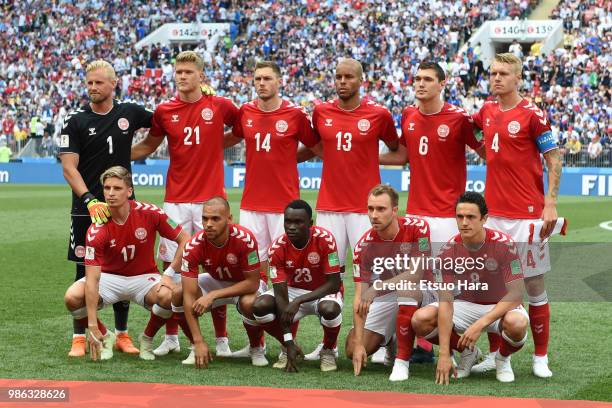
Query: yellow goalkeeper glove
98	210
207	90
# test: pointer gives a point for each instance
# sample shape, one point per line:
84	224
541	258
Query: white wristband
287	337
170	272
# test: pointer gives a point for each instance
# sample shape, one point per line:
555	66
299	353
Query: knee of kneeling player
515	325
329	310
424	321
72	299
245	305
164	297
263	305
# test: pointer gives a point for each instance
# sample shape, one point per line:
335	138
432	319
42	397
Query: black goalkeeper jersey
101	141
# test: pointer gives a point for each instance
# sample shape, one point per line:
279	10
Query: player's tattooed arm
397	157
554	163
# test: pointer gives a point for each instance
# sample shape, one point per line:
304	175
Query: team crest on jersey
79	251
175	118
207	114
123	124
405	247
140	233
514	127
491	264
443	131
328	122
281	126
231	259
314	258
92	131
363	125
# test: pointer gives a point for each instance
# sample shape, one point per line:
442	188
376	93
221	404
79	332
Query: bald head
352	64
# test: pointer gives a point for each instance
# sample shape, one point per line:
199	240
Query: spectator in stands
5	152
574	147
595	148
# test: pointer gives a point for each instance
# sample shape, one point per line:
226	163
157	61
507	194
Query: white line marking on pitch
607	225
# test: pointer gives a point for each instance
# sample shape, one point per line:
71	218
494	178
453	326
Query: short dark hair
218	200
381	189
269	64
436	67
472	197
300	205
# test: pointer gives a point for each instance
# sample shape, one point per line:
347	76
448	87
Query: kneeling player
120	263
482	267
228	254
375	310
305	271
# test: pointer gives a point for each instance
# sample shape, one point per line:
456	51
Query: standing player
516	134
93	138
484	264
349	128
434	137
228	254
120	262
194	124
305	273
271	128
375	322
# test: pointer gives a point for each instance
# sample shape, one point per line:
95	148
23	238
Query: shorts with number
312	307
347	228
117	288
441	230
466	314
535	257
266	226
78	229
189	216
207	284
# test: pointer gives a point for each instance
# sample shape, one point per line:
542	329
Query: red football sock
274	330
330	336
404	332
539	317
155	323
505	349
424	344
454	339
255	333
84	322
494	342
219	318
171	327
180	319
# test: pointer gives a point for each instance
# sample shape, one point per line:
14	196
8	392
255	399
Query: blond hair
190	56
381	189
356	65
101	64
510	59
118	172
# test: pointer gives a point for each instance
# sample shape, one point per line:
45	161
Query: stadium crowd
45	46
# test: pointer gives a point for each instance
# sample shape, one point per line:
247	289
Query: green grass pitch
36	329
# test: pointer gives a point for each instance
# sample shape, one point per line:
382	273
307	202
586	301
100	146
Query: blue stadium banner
576	181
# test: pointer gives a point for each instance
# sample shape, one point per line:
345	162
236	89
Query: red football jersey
496	263
514	186
195	143
271	140
304	268
436	153
412	240
350	153
129	249
226	263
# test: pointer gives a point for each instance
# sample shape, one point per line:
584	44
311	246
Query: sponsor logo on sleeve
185	265
64	141
515	267
252	258
332	259
356	271
90	253
423	244
273	273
